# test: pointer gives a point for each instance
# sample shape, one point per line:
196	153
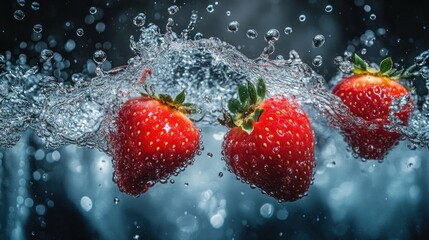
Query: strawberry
368	93
153	140
270	143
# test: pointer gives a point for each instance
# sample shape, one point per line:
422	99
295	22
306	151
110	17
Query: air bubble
210	8
46	54
173	9
288	30
372	16
367	8
80	32
92	10
302	18
233	26
318	40
116	200
86	203
363	51
139	20
368	38
317	61
228	13
99	56
38	28
328	8
220	174
272	35
35	6
19	15
266	210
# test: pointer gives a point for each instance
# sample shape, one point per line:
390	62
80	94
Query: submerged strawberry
369	94
153	140
270	143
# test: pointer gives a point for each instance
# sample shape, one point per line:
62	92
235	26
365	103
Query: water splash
82	112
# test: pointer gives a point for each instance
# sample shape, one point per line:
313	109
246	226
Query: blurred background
68	193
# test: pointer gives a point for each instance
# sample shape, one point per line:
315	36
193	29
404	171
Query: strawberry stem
178	103
386	69
244	111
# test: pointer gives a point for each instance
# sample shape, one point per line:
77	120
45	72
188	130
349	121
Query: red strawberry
153	139
369	93
270	144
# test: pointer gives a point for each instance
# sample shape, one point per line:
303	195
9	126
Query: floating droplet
93	10
318	40
19	15
288	30
372	16
35	6
139	20
233	26
252	34
198	36
210	8
328	8
46	54
363	51
173	9
21	2
220	174
302	18
99	56
116	200
80	32
228	13
317	61
38	28
272	35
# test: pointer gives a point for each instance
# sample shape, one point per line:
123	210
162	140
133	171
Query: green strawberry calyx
178	103
386	69
245	110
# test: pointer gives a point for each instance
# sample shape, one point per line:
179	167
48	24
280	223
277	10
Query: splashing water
209	70
80	111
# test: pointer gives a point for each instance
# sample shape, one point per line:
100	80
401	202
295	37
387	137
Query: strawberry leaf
165	98
261	89
243	93
396	74
386	65
409	72
252	92
247	126
234	105
189	108
180	98
359	62
257	114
